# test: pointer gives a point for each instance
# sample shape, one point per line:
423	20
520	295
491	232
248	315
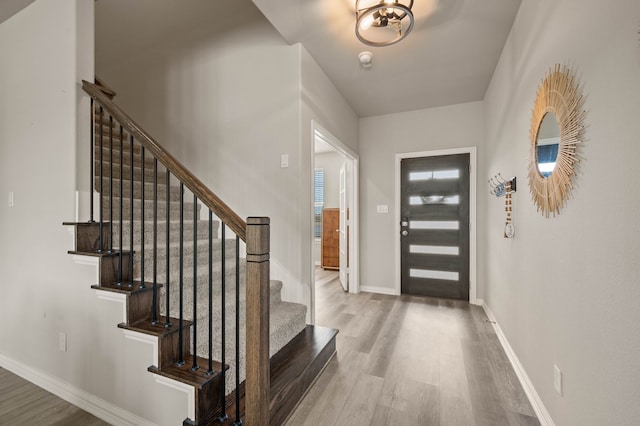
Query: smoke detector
365	58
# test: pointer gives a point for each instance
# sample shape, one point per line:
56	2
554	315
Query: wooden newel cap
257	236
258	221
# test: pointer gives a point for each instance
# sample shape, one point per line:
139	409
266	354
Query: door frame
472	213
354	215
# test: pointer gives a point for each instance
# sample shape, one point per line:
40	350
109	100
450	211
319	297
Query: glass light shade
383	23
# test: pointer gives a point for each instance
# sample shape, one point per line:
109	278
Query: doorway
335	211
434	236
436	223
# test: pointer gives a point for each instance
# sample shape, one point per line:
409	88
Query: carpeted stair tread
174	232
203	302
108	153
174	210
286	320
174	191
116	171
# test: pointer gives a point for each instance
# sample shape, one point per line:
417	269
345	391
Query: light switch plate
11	200
557	379
62	341
382	208
284	161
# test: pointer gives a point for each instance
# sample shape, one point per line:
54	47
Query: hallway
410	361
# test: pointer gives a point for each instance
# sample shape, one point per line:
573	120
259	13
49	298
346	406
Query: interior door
435	226
331	238
344	249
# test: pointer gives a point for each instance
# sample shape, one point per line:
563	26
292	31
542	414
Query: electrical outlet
62	342
11	201
557	379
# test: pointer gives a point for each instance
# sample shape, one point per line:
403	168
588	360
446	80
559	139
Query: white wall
382	137
565	289
46	50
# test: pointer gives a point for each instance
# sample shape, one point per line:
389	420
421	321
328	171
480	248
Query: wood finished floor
410	361
23	403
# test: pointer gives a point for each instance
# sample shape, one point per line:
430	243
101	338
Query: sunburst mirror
556	131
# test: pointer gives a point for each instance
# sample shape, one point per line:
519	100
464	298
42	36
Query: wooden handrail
199	189
104	87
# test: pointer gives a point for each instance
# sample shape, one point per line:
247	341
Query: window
318	201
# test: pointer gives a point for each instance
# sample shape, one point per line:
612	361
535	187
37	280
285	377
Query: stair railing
254	232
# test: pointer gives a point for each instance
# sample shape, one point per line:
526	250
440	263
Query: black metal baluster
181	297
237	421
210	371
120	270
223	381
92	158
131	211
110	183
154	307
142	222
100	242
167	322
195	366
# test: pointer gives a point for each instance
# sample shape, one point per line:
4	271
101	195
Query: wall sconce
383	22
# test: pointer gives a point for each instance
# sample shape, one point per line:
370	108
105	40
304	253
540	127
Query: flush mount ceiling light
383	22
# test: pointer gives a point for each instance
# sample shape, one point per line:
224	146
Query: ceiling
448	58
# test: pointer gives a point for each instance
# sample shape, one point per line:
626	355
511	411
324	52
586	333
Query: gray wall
46	50
227	103
565	289
324	105
381	138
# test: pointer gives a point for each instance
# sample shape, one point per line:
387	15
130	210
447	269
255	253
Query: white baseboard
536	402
379	290
100	408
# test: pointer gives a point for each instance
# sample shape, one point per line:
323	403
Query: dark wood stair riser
87	236
109	269
169	344
139	306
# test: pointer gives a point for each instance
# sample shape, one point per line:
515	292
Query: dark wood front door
434	226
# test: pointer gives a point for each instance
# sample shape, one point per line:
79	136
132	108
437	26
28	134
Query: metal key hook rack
498	185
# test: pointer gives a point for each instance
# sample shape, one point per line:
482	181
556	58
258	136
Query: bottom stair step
294	369
208	389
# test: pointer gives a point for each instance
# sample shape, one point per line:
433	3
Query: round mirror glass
547	144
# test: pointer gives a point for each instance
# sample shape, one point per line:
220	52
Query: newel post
257	346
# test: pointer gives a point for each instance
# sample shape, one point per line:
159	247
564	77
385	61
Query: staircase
176	254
